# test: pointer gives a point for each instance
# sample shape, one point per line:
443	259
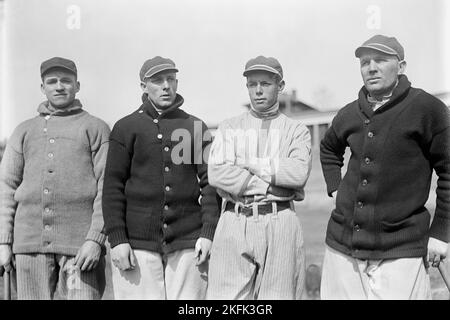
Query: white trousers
344	277
173	278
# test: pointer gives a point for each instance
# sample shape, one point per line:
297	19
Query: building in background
317	121
444	97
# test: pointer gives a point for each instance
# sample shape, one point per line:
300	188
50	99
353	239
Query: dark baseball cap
155	65
58	62
261	63
388	45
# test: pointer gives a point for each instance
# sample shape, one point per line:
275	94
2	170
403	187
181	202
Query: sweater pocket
336	226
141	224
337	217
411	229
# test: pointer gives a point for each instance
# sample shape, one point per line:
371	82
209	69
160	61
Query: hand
202	250
279	191
6	258
334	194
88	255
437	251
123	257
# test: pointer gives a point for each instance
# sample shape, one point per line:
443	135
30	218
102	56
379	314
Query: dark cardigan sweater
149	199
380	211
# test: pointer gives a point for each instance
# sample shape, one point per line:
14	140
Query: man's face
380	71
161	89
60	87
263	89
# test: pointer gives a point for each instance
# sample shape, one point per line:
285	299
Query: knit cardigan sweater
380	212
156	174
51	182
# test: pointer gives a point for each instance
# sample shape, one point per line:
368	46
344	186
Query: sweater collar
45	108
268	114
150	108
399	92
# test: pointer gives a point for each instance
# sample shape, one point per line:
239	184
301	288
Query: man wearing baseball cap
51	182
379	238
259	163
160	212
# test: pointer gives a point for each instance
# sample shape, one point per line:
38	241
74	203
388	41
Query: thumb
203	256
132	259
198	248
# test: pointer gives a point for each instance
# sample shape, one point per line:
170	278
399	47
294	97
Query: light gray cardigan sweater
51	179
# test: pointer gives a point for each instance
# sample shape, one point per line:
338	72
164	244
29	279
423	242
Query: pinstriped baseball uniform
258	256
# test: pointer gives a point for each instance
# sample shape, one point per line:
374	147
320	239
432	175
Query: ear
42	88
144	87
401	67
281	86
77	89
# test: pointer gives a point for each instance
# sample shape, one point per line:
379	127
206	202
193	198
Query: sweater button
164	243
364	182
360	204
166	169
155	120
165	226
159	136
45	129
47	227
370	134
367	121
166	207
50	155
166	149
356	227
367	160
46	191
167	188
47	210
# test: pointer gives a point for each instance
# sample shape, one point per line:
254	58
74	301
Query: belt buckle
246	211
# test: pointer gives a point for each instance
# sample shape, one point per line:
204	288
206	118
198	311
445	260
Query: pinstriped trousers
39	276
257	257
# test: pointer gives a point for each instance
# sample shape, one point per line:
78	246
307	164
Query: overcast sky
210	41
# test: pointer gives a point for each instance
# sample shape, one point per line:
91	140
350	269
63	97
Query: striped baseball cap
388	45
261	63
155	65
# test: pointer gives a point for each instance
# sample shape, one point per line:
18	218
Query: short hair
276	78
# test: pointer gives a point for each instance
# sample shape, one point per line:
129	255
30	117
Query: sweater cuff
117	236
98	237
6	238
208	231
440	229
333	179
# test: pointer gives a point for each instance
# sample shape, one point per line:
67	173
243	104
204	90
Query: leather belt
262	208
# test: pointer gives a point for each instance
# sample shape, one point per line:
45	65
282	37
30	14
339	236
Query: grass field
314	213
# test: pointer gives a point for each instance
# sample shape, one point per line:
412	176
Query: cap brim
377	47
261	67
150	73
58	67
